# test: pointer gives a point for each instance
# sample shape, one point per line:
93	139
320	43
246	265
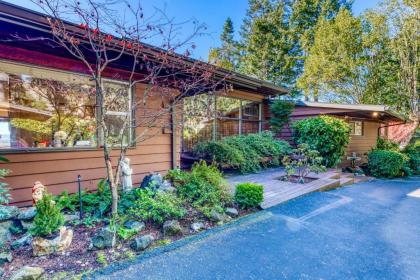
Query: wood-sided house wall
58	170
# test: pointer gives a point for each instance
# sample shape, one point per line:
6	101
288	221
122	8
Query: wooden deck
276	191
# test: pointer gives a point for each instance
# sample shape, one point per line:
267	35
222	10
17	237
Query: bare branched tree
107	39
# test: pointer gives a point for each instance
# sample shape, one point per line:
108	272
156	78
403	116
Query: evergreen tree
226	56
267	43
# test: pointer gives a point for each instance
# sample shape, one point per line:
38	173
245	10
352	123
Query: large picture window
208	117
46	109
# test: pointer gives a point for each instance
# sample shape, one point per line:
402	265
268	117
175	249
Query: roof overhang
17	18
361	111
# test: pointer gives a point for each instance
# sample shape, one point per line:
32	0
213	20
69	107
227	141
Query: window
117	113
204	120
47	109
356	128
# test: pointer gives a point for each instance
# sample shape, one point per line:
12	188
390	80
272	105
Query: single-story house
28	142
367	122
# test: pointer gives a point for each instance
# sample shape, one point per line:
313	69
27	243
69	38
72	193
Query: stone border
248	219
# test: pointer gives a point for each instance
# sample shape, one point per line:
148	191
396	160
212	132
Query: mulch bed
79	259
295	179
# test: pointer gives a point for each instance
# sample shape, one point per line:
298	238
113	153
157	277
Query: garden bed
162	211
295	179
79	259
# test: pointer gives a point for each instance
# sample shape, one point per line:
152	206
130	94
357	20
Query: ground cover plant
247	153
325	134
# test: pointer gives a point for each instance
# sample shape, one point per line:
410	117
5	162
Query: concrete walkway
367	230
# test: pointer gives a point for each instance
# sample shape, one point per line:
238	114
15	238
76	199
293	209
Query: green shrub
248	153
386	144
249	195
147	205
280	111
413	153
302	161
48	218
325	134
203	187
387	164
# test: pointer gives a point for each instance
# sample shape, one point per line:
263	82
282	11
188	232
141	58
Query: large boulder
5	235
171	227
216	216
8	212
5	257
134	225
155	182
44	246
69	218
25	240
103	238
27	213
28	273
142	242
231	212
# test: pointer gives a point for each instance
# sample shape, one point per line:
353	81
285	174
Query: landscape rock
26	225
142	242
43	246
135	225
5	235
68	218
196	227
156	183
8	212
171	227
232	212
28	273
216	216
27	213
104	238
5	257
25	240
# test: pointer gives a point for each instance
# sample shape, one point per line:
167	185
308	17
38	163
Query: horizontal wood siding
364	143
58	170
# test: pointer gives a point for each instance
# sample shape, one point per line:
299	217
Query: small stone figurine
37	192
126	171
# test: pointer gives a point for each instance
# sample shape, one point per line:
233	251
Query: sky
212	13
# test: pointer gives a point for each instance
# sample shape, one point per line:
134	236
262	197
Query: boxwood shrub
249	195
248	153
388	164
325	134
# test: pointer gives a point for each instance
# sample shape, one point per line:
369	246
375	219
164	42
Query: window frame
78	148
353	127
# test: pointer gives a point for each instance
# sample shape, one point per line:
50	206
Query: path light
79	182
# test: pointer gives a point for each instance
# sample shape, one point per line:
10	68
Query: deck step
345	181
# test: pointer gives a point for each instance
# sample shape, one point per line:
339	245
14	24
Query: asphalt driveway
368	230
